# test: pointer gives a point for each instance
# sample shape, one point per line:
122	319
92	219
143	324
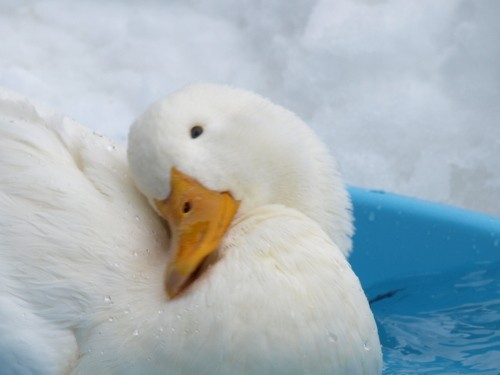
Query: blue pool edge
398	236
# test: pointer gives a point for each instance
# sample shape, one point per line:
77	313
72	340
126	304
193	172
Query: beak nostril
186	207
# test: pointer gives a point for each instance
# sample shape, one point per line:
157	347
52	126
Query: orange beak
198	218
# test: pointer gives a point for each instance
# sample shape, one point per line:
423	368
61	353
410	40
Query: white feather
83	254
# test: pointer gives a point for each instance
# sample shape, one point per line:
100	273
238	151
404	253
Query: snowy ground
405	92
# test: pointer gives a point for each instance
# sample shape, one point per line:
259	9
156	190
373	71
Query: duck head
208	153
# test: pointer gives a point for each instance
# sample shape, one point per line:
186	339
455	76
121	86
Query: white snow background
405	92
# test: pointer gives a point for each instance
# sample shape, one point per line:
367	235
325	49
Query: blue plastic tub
432	273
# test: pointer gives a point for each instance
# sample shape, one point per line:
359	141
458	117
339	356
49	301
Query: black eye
196	131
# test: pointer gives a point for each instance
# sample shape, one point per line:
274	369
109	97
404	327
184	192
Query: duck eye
196	131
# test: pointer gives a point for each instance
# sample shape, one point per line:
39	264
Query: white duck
86	271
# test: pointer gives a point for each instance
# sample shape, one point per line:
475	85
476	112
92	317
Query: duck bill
198	218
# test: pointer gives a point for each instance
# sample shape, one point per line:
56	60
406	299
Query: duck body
82	271
73	228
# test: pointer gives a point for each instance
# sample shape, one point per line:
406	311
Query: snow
405	92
